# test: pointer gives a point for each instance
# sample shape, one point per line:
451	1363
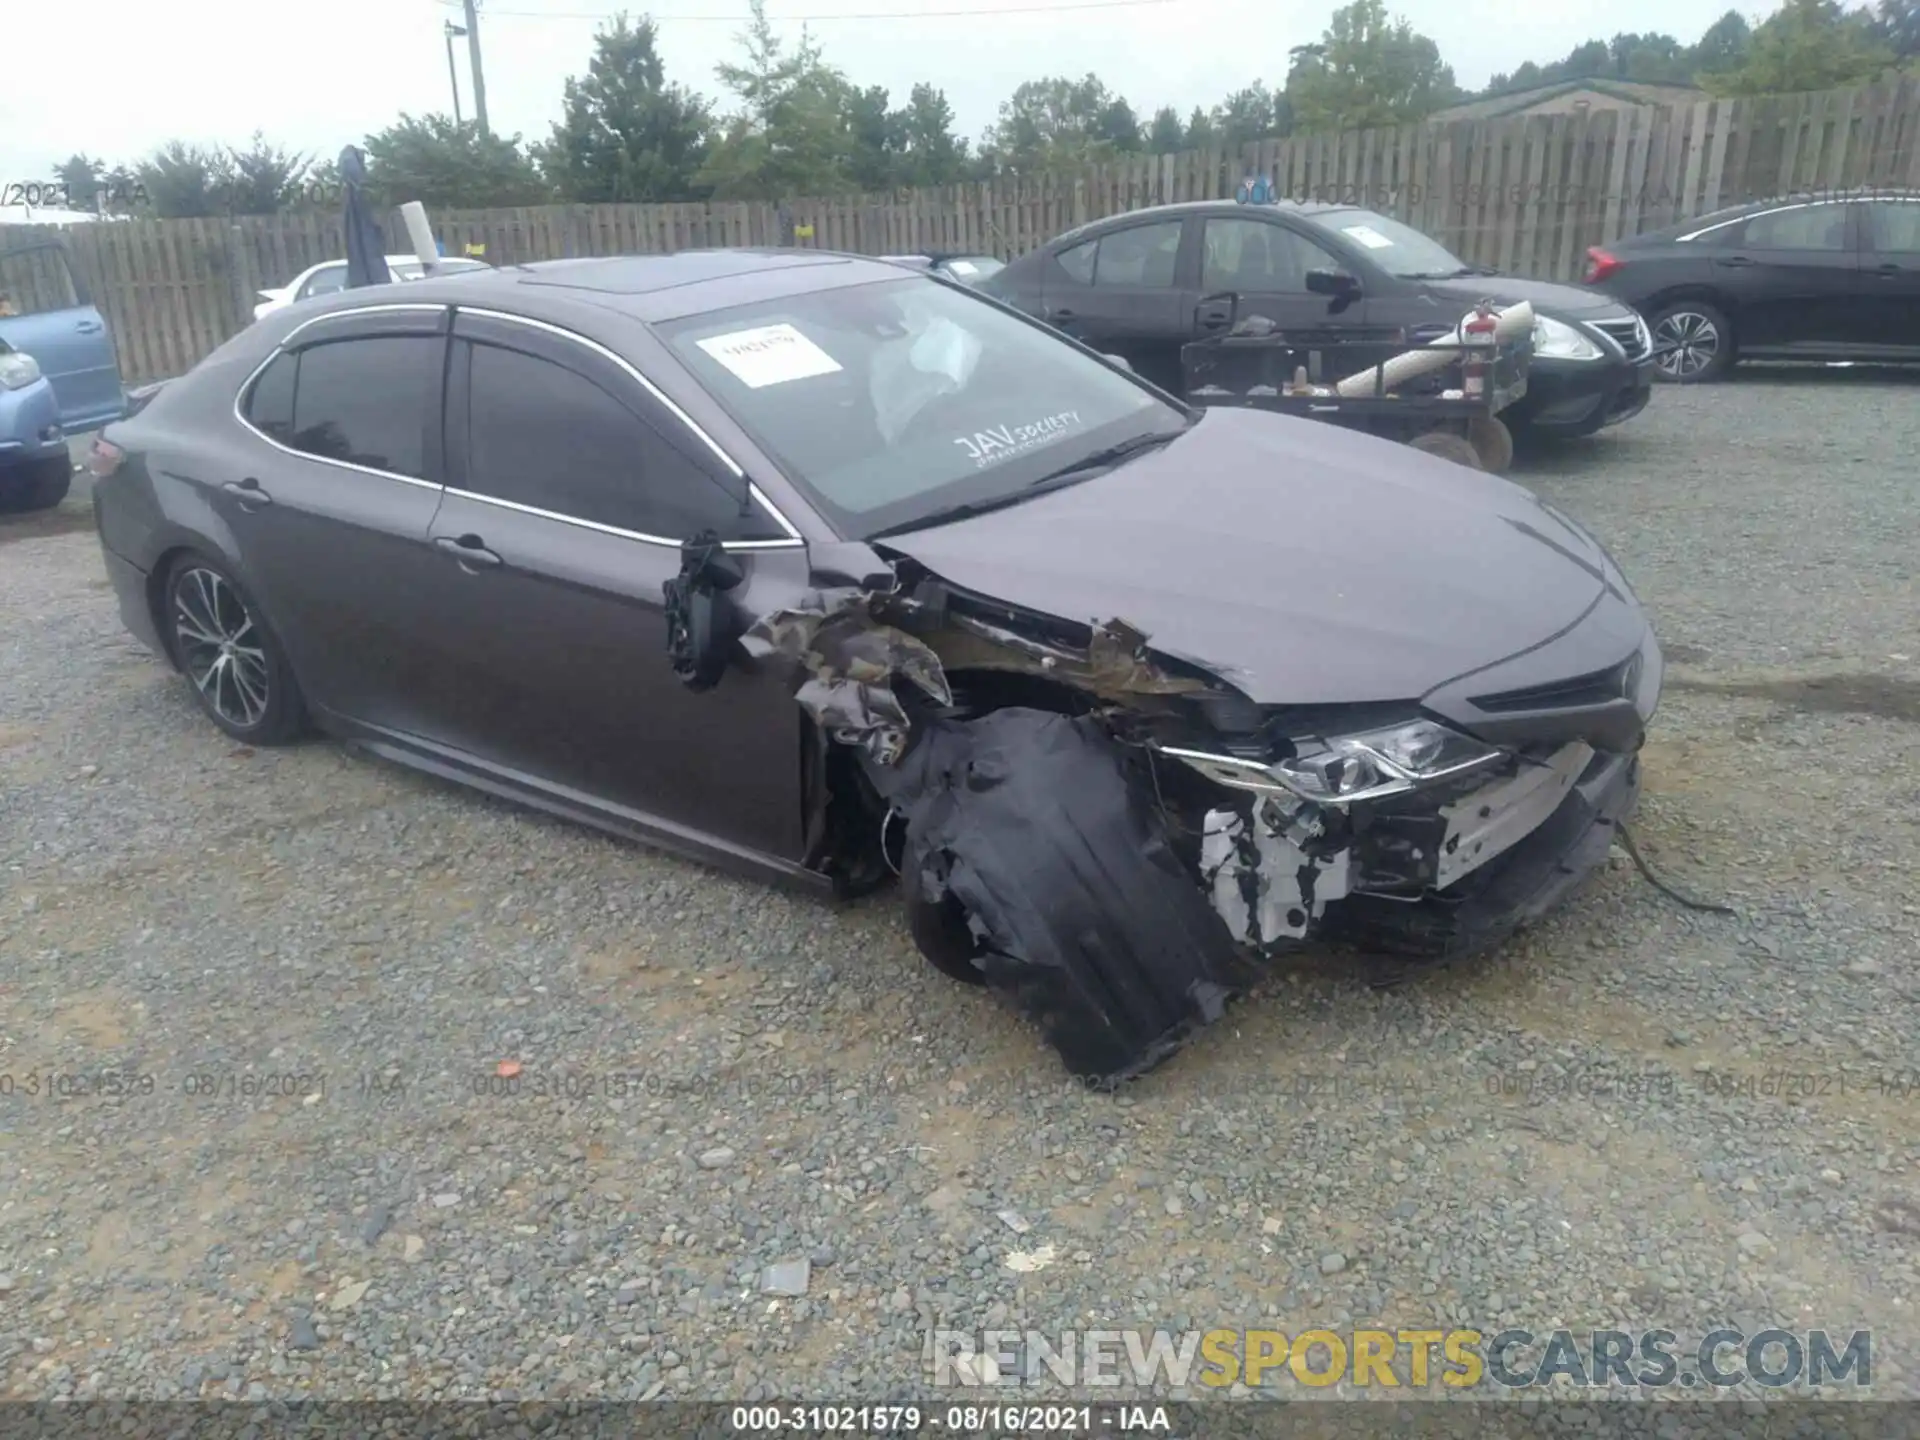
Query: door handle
1736	262
1061	315
89	327
248	493
469	550
1212	320
1887	267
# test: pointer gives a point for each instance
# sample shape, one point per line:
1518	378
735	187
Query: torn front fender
853	659
1053	845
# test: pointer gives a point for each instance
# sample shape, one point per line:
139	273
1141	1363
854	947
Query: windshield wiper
1109	455
1462	273
1104	458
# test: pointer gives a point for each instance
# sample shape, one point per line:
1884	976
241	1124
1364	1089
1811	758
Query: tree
1807	45
1368	70
1200	131
182	180
932	155
625	134
1250	114
787	138
1724	45
1166	134
1897	26
264	178
81	177
876	140
441	163
1057	122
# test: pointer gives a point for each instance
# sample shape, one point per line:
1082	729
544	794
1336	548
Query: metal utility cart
1296	372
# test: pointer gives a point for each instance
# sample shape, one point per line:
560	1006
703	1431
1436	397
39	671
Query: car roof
655	288
1183	208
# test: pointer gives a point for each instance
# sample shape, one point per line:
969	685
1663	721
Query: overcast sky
113	79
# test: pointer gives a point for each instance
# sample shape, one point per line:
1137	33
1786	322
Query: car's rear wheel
1692	343
37	485
223	645
1445	445
1492	441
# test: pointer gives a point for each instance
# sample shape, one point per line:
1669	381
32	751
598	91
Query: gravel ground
716	1077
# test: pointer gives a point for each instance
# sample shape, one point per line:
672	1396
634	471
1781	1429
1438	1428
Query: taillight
103	458
1600	265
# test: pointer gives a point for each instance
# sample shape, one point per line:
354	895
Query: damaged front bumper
1439	874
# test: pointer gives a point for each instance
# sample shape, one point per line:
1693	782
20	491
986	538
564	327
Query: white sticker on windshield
1367	236
770	355
962	267
1003	442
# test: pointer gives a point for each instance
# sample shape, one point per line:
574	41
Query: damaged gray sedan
791	562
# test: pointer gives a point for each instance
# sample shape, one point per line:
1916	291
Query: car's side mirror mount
1337	285
703	623
1119	362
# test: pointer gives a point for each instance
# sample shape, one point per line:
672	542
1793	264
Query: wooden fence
1526	195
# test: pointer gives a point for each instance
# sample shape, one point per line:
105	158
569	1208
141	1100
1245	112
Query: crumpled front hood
1303	563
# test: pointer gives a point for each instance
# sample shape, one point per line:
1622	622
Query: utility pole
473	56
452	73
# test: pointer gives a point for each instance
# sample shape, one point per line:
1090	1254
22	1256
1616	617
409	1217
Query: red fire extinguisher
1478	333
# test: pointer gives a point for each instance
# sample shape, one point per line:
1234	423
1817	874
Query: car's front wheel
36	485
1692	343
941	934
223	645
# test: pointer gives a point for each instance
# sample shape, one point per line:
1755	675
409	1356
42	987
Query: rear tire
1445	445
1705	339
37	485
222	643
1492	441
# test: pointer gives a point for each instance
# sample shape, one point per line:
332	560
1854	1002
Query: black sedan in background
815	567
1143	284
1817	278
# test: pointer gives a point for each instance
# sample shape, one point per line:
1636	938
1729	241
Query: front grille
1576	691
1631	335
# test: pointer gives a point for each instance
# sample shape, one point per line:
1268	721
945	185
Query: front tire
1445	445
36	485
224	647
941	934
1492	441
1698	340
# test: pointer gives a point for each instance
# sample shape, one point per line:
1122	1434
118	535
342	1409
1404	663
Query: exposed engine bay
1115	838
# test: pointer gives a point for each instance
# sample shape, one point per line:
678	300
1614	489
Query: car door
572	485
1890	266
329	498
1119	293
1792	277
45	312
1262	264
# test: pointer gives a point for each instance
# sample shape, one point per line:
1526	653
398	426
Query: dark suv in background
1142	285
1815	278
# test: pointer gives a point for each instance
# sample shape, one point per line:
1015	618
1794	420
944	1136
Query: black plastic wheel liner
1058	853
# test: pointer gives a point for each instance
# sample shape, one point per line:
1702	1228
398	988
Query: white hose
1514	321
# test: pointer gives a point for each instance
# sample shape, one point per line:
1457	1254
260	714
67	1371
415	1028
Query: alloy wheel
219	646
1691	343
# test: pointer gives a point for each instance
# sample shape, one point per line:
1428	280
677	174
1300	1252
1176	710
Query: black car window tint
269	406
1896	227
365	401
1804	227
1142	256
542	435
1255	256
1078	261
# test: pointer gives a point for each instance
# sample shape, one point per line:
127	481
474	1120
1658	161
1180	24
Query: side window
270	403
365	401
1895	226
540	434
1802	227
324	282
36	281
1254	256
1141	256
1078	262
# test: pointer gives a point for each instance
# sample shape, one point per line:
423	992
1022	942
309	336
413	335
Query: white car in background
331	275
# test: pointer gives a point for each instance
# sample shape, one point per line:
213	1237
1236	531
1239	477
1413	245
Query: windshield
895	401
1398	249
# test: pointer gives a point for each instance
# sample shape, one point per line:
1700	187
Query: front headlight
1351	768
1557	340
17	371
